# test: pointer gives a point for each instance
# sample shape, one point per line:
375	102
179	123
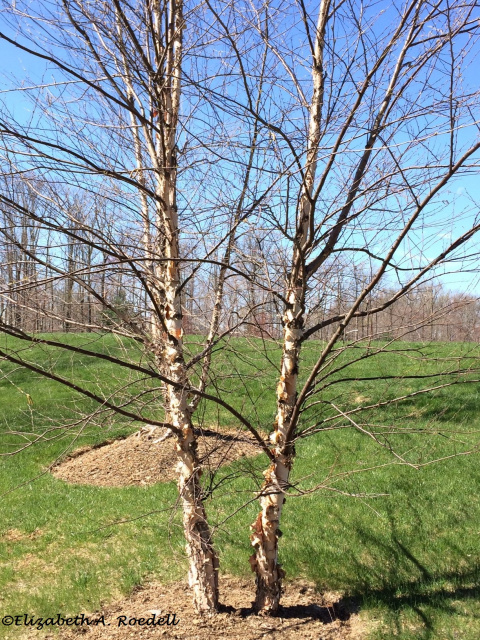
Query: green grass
410	557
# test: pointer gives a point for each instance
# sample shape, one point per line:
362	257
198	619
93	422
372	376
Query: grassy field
406	548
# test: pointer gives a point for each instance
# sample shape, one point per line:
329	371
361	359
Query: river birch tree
128	60
299	160
390	113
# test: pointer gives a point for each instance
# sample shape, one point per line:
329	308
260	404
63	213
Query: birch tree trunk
163	261
203	561
265	530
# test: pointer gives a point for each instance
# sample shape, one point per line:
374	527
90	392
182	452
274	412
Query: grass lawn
406	547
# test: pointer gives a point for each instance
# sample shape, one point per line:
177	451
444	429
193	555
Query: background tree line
85	290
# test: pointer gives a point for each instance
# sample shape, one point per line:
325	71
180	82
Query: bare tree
368	143
127	60
128	222
258	165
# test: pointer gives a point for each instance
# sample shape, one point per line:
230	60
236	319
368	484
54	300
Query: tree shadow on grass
454	408
422	602
426	600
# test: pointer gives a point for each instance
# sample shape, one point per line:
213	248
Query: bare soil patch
305	615
139	460
15	535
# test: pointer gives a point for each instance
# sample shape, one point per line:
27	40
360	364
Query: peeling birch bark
203	561
265	530
167	332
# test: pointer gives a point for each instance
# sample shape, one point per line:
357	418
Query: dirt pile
139	460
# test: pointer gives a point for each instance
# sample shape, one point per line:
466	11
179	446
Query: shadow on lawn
425	599
454	408
420	603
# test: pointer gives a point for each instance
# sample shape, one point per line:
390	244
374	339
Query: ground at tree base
304	615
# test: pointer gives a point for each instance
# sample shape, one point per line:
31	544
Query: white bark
203	562
265	529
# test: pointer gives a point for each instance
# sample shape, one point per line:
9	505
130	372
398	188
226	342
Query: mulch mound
139	460
304	615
